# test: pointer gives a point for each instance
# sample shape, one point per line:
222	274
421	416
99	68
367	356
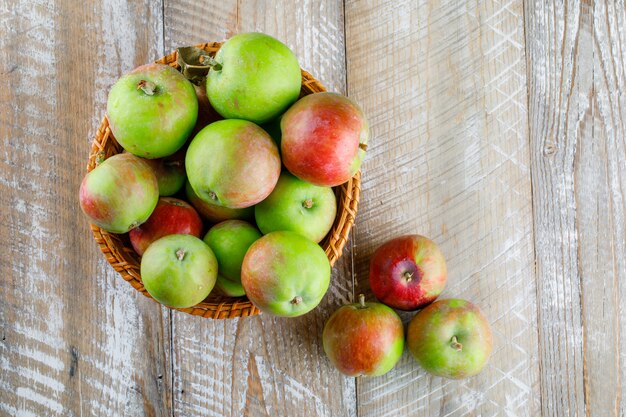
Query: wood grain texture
263	365
576	63
75	339
443	84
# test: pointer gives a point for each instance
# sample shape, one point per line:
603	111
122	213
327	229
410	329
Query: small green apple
230	241
297	206
179	270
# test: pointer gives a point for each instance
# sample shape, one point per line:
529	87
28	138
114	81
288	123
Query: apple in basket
171	216
324	138
298	206
364	338
170	172
285	274
119	194
213	212
152	110
179	270
253	77
230	241
232	163
450	338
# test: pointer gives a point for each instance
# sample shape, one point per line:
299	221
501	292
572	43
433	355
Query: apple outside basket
120	254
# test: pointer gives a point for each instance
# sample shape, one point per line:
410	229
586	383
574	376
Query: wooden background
498	130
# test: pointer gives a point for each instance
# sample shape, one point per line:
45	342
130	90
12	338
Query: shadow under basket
120	254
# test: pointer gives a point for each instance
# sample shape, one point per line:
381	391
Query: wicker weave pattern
122	257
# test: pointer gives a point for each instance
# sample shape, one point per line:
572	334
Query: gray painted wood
575	55
444	85
75	338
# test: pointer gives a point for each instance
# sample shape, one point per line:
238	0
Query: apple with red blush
450	338
408	272
323	139
364	338
171	216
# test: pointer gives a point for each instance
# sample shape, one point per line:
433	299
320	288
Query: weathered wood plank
263	365
575	55
443	84
76	339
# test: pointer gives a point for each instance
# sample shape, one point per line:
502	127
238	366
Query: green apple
215	213
179	270
297	206
152	110
450	338
229	288
285	274
230	241
254	77
232	163
119	194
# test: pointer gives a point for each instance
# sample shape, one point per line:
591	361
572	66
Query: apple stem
209	61
147	87
296	300
363	146
362	301
180	254
308	203
456	345
408	276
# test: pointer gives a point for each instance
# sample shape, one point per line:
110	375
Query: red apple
450	338
408	272
170	217
364	338
324	138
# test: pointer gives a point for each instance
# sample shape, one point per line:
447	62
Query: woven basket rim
120	255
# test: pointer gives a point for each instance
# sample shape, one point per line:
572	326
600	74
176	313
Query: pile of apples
201	155
241	153
449	338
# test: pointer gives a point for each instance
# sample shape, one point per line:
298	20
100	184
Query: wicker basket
120	254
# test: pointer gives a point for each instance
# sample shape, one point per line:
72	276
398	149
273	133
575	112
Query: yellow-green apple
285	274
364	338
450	338
179	270
297	206
119	194
152	110
324	138
232	163
215	213
170	172
229	241
408	272
253	77
170	217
